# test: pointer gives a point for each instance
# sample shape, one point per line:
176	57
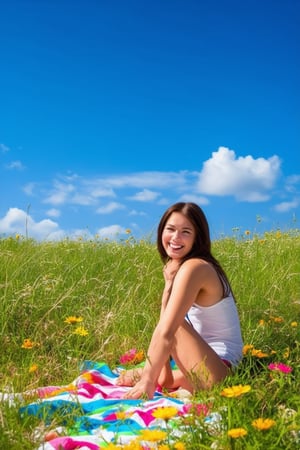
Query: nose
176	234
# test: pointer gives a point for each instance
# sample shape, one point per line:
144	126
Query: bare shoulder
196	263
198	267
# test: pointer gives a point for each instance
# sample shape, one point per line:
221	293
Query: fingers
136	394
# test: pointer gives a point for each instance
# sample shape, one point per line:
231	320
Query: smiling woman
199	327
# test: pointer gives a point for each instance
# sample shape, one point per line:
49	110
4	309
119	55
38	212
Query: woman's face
178	236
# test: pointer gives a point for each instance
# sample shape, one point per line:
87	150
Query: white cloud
17	221
4	148
15	165
145	196
111	232
194	198
53	212
286	206
245	178
146	180
134	212
291	183
109	208
102	192
60	193
28	188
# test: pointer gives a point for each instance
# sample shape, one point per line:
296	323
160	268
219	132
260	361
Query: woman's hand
144	388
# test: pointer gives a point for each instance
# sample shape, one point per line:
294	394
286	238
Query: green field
114	289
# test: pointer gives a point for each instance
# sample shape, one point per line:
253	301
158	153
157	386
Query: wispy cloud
4	148
109	208
15	165
145	196
287	206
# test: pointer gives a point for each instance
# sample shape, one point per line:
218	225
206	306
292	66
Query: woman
199	325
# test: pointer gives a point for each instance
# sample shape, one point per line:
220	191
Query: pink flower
199	409
128	356
132	357
280	367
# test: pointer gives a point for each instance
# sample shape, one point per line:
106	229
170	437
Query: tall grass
115	289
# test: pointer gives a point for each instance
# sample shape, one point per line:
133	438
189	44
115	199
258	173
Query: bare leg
199	366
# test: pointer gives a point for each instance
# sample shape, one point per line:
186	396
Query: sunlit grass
65	302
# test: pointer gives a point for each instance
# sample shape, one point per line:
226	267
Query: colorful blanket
93	413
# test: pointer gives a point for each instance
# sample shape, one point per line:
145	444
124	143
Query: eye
169	228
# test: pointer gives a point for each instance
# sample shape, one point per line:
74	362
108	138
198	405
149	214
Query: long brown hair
202	245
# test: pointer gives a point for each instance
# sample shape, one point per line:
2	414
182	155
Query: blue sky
110	111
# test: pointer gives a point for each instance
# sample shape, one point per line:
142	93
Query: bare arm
185	288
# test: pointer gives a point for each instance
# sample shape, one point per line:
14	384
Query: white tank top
219	326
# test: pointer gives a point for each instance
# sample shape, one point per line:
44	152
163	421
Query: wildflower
132	356
237	432
236	391
28	344
258	353
73	319
200	409
294	324
163	447
246	348
263	424
127	231
152	435
81	331
262	322
179	446
33	368
165	412
247	233
286	353
17	237
278	319
121	415
280	367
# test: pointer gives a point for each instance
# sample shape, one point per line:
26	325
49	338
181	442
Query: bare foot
129	377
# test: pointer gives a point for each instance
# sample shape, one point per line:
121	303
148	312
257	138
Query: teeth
175	247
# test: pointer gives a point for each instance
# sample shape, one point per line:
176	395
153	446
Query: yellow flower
235	391
165	412
258	353
179	446
278	319
294	324
28	344
152	435
17	237
121	415
237	432
163	447
33	368
263	424
247	232
81	331
139	357
261	323
73	319
246	348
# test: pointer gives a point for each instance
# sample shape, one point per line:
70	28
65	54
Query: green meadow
69	301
